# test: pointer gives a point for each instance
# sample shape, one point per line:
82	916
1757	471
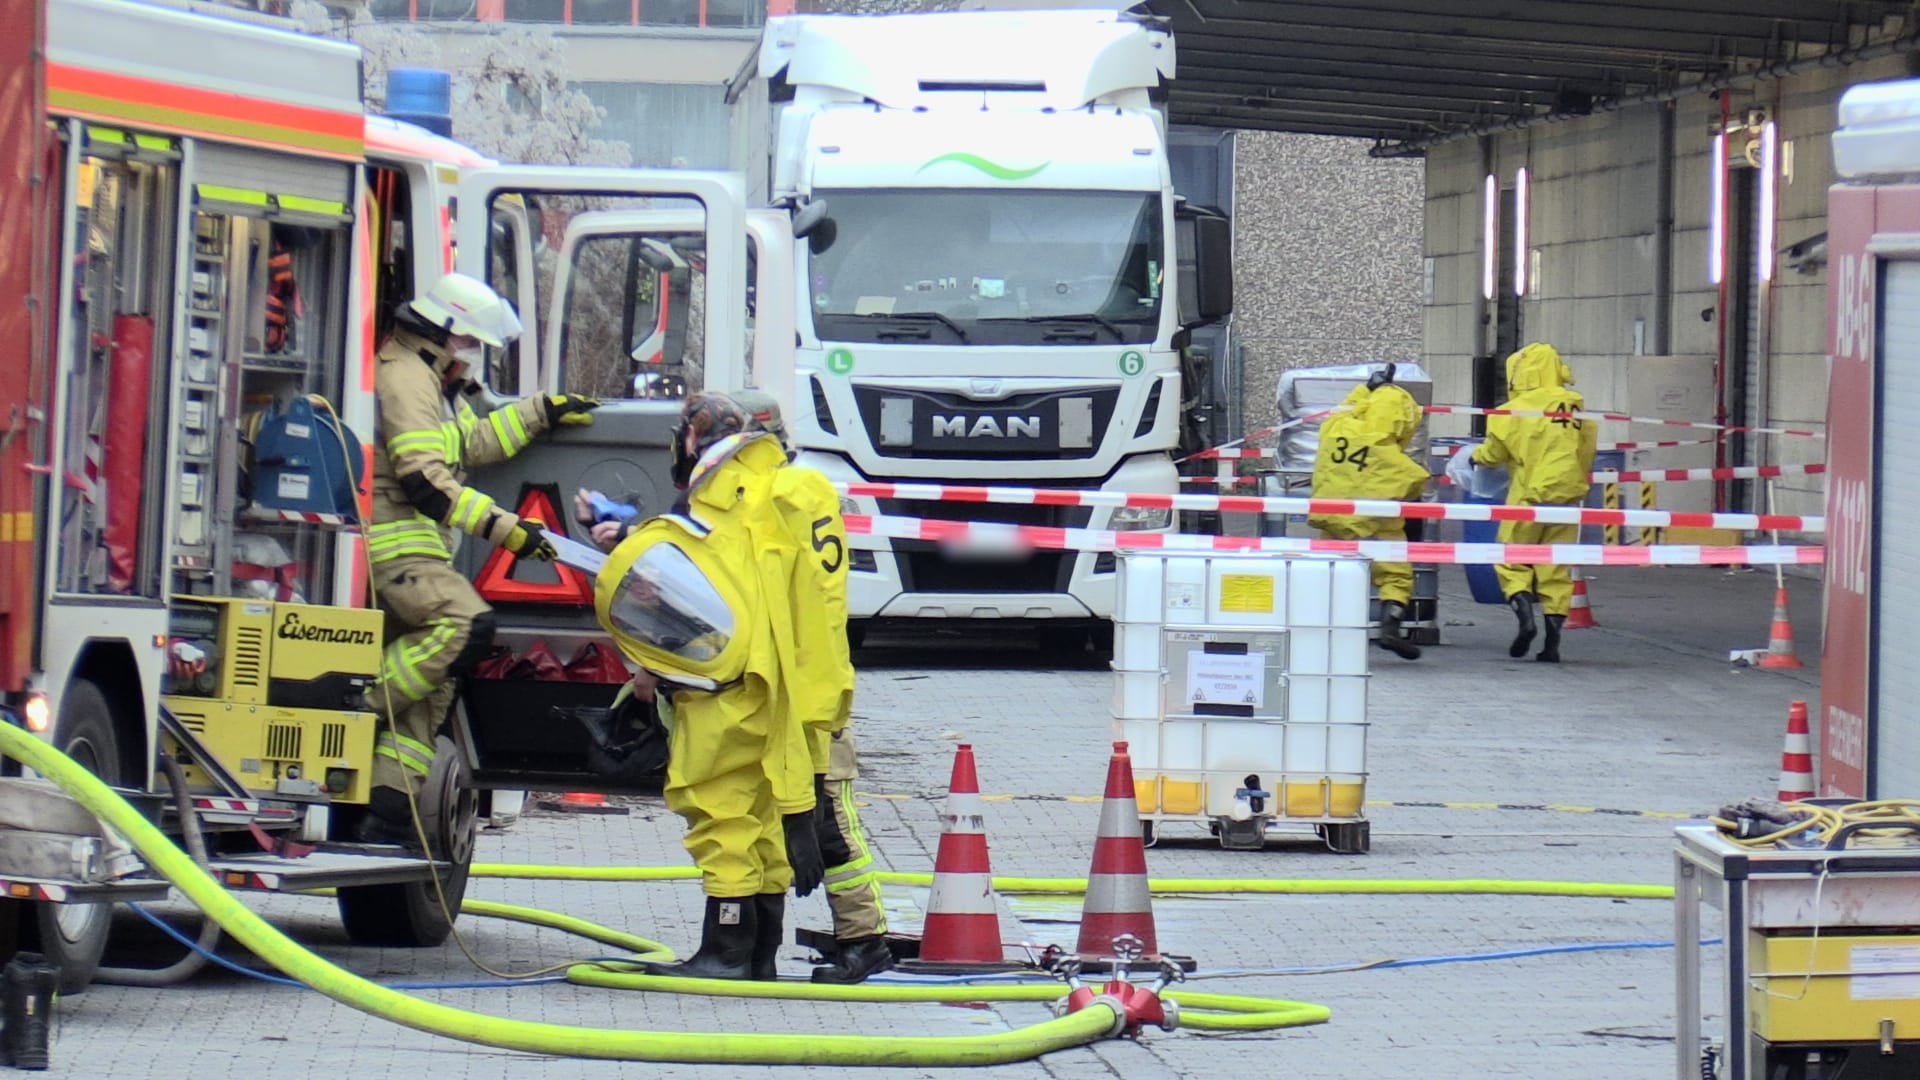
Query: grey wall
1327	258
1593	225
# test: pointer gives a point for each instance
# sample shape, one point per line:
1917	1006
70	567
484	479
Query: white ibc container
1346	699
1310	600
1349	651
1347	748
1308	697
1143	743
1312	651
1136	695
1352	592
1184	595
1247	590
1243	746
1136	646
1140	595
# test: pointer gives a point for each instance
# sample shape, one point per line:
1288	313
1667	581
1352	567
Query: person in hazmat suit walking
699	599
1549	462
428	436
1363	455
810	509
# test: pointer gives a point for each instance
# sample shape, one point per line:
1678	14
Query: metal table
1771	889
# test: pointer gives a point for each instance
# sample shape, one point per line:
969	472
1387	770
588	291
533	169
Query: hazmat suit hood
1391	411
1537	367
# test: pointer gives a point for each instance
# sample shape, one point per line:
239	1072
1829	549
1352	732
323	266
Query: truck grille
901	423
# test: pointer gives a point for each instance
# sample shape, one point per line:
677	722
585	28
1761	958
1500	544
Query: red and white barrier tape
1738	472
1220	451
1655	445
990	536
1618	418
1377	508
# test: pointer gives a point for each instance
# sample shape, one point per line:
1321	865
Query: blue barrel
422	96
1481	579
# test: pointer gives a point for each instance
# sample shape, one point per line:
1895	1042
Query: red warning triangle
496	581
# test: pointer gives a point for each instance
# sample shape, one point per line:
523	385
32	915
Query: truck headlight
1140	518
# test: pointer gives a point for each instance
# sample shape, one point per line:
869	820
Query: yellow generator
277	693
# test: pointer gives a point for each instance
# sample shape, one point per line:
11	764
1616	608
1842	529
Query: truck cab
990	287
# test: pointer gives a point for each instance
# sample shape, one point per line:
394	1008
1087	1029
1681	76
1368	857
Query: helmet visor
666	602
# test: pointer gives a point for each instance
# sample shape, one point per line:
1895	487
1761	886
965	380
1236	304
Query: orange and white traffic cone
1796	761
1579	612
1118	901
963	922
1780	639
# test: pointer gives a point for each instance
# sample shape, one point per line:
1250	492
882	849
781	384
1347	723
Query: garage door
1896	515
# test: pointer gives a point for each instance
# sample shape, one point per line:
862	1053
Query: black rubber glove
803	853
569	410
526	542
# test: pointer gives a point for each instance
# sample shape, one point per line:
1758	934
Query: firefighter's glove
527	542
803	852
571	410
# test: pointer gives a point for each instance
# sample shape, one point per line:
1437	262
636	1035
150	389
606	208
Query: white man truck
996	285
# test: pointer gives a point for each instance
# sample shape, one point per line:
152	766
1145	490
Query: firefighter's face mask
468	355
668	610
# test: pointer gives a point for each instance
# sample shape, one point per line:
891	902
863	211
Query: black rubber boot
857	959
27	988
726	942
389	820
772	921
1522	605
1550	649
1391	637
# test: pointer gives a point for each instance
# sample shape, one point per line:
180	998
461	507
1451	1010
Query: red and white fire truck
1870	683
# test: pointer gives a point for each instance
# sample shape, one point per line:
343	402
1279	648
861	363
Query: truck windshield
990	267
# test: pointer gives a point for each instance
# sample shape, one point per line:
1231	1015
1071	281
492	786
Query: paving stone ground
1642	721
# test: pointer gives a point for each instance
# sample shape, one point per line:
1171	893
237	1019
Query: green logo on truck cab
1132	363
991	168
840	361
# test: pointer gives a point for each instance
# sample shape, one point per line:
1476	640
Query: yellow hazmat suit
1363	455
739	758
1549	461
823	695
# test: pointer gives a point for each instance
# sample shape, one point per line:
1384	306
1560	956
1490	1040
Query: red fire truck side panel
27	240
1855	214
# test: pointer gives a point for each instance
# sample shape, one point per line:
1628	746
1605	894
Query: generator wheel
410	914
72	936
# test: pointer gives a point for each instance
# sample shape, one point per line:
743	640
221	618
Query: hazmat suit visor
666	603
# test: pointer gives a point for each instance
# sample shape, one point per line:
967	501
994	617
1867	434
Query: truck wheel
405	915
73	936
410	914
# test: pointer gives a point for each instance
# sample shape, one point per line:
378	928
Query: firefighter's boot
1522	605
772	922
856	959
1392	638
727	938
389	820
1550	649
27	988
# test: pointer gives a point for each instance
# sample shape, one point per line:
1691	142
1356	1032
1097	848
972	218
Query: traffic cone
1118	901
1780	639
963	922
1579	613
583	798
1796	761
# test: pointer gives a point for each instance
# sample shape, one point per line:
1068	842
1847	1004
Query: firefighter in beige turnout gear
810	507
438	625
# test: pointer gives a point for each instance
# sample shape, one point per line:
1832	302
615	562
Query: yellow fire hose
1097	1020
1165	886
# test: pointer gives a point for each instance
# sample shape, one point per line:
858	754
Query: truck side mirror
1205	251
811	223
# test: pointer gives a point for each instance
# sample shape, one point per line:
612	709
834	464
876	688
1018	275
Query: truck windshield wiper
919	316
1086	319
